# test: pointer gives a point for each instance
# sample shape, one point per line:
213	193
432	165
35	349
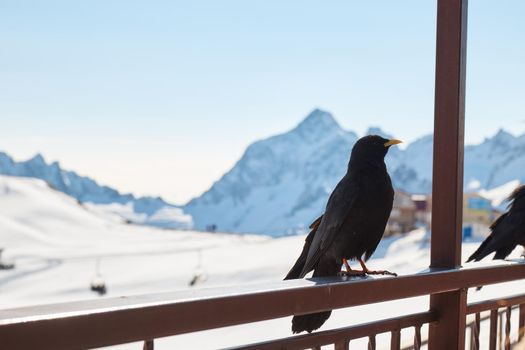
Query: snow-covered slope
55	243
281	184
144	210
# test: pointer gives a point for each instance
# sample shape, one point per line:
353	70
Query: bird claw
359	273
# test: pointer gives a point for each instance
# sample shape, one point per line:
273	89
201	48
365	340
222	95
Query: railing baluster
395	339
500	337
372	342
417	337
471	331
474	339
148	345
342	345
521	329
507	328
493	335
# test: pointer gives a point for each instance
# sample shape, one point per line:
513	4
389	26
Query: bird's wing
480	253
498	221
502	237
338	207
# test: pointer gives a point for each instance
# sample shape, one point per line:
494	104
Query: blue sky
162	97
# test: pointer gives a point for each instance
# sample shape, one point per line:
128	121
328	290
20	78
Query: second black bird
507	231
353	222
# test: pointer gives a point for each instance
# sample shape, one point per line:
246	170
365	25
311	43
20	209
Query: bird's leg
349	271
374	272
347	266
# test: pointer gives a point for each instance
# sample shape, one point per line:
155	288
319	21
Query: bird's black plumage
507	231
353	222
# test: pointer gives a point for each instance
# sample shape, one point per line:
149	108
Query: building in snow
403	215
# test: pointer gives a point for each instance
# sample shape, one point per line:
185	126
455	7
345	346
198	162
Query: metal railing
499	338
105	322
342	337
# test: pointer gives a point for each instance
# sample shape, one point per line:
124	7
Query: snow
473	185
55	243
498	195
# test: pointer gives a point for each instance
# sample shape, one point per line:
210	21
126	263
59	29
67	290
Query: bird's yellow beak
392	142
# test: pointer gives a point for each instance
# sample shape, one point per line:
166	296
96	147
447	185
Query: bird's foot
380	272
375	272
352	273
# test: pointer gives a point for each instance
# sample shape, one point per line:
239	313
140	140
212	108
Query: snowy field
55	244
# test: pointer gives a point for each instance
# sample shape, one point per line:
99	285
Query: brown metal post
395	339
447	188
342	345
148	345
508	312
521	322
493	335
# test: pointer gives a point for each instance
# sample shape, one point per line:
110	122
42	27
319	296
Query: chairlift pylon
199	276
98	284
5	265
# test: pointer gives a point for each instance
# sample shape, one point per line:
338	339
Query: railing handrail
111	321
491	304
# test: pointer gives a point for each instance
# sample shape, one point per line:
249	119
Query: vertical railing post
521	322
447	180
148	344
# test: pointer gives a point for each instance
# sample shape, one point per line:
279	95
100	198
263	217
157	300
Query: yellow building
477	209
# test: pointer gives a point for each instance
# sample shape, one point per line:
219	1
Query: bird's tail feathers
309	322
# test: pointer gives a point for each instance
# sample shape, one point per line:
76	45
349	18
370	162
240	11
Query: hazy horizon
116	186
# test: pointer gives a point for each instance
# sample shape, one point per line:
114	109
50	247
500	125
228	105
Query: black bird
353	222
507	231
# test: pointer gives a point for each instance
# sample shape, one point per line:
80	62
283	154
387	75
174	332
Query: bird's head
371	149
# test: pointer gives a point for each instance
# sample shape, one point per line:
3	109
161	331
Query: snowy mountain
281	184
143	210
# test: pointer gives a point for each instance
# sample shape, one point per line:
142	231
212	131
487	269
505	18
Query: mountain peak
4	155
503	134
502	138
318	119
37	159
